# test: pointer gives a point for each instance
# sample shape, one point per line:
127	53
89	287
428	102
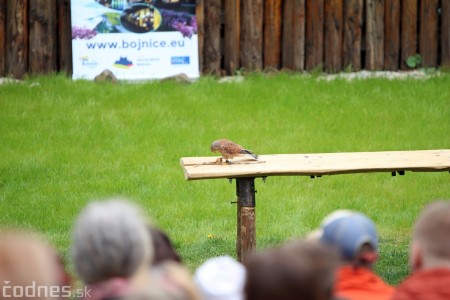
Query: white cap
221	278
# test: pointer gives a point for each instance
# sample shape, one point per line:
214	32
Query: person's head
298	270
29	267
431	237
353	234
219	278
163	247
172	281
110	240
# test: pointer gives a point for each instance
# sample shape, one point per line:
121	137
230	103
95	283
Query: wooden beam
232	36
409	31
287	49
2	37
314	33
374	34
17	38
212	53
252	34
43	53
317	164
353	20
334	25
293	56
392	35
64	37
428	36
445	34
299	35
272	34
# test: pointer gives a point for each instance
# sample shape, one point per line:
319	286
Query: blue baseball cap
348	232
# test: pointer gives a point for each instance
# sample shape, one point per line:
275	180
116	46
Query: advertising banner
134	39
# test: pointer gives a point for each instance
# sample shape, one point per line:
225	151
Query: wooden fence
333	35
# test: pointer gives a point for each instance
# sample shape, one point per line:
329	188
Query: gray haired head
110	239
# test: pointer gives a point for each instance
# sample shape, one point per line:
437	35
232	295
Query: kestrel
229	149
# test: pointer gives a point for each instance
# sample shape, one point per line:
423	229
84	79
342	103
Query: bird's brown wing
230	149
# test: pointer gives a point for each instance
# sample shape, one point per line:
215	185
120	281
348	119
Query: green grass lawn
64	143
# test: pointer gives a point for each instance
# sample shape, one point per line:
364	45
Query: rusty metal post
246	229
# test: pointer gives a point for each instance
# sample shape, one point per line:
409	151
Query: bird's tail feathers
245	151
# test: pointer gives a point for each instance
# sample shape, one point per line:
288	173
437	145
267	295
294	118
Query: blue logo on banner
179	60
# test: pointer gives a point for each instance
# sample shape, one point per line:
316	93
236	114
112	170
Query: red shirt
427	285
361	284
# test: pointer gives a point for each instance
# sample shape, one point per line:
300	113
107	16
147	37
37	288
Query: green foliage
414	61
64	143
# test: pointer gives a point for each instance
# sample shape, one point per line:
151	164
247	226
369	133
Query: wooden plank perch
317	164
245	169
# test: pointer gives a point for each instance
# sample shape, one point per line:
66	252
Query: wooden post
200	15
246	229
231	37
409	31
2	37
293	55
272	33
334	23
353	19
374	34
314	34
16	38
392	38
252	35
445	34
64	37
211	59
428	45
43	53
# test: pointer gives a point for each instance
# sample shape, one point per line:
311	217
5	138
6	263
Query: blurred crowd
117	253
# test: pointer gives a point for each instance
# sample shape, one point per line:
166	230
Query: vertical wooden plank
299	34
392	35
409	30
353	20
2	37
200	15
314	33
445	34
334	22
42	51
272	33
212	54
287	53
428	40
232	36
374	34
64	37
17	38
294	35
252	34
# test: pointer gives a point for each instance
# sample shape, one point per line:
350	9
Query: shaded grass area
64	143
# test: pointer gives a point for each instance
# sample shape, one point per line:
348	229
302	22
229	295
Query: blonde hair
432	230
27	264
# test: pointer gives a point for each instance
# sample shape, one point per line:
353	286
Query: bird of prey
229	149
